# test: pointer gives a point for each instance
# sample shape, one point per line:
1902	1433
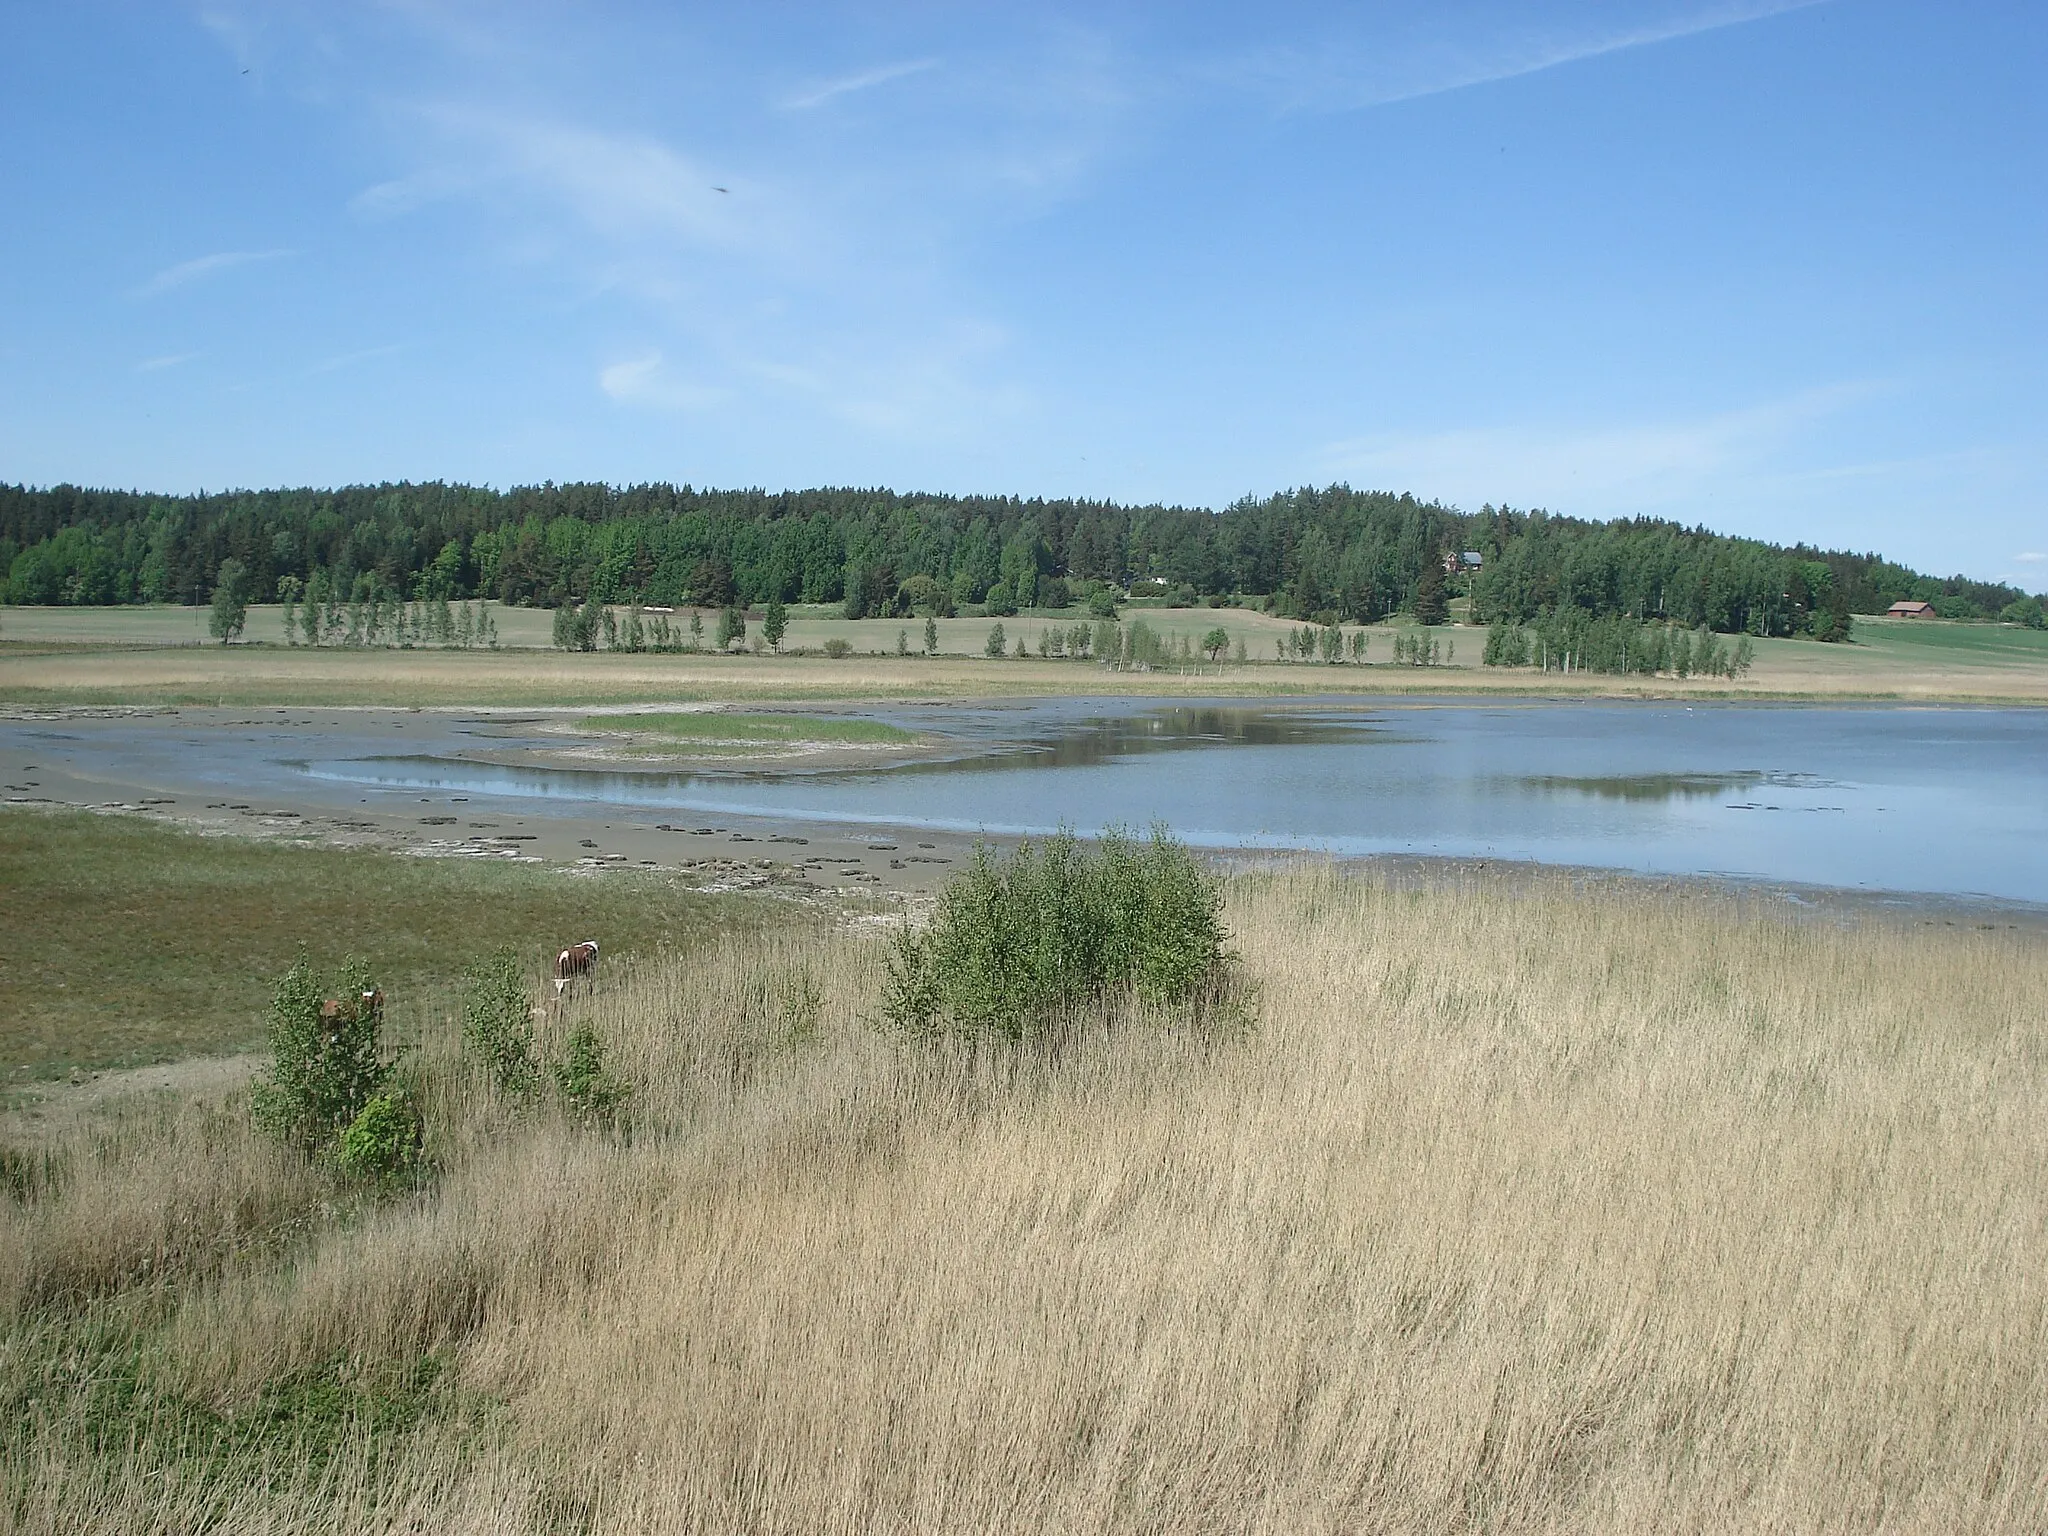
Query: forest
1324	555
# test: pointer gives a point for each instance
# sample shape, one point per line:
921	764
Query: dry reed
1559	1209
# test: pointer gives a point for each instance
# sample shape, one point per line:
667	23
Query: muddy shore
237	772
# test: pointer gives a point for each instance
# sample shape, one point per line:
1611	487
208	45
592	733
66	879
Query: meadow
51	657
124	943
1559	1206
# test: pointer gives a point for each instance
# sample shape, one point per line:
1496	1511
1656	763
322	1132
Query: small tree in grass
775	624
230	600
997	644
1215	643
289	590
497	1023
326	1064
591	1092
931	636
732	625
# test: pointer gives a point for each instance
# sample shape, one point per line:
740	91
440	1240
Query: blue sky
1780	268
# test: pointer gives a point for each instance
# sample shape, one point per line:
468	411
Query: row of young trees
1325	555
372	615
1575	642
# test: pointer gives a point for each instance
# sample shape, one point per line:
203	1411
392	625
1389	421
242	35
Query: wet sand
232	772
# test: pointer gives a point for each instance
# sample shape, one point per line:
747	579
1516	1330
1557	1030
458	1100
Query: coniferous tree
1431	605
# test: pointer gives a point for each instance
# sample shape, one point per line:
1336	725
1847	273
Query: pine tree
1431	605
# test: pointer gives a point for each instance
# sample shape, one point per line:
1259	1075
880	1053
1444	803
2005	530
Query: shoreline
791	853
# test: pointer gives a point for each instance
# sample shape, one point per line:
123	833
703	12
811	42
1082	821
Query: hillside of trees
1330	554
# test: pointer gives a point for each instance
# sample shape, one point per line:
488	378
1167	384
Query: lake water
1947	799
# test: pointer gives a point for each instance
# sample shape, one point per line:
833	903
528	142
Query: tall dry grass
1563	1209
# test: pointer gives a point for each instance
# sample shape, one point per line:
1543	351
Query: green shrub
838	649
588	1087
1024	941
497	1023
383	1142
324	1066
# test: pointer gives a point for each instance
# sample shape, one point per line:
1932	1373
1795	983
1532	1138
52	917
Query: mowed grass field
143	656
1566	1207
124	943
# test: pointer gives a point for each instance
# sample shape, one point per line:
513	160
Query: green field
54	657
123	942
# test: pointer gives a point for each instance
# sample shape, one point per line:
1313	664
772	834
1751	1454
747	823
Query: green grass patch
124	942
1932	641
712	727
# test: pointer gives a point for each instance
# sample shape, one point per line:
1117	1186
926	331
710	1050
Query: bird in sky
718	189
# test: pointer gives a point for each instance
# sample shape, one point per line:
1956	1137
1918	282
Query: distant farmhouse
1910	611
1470	560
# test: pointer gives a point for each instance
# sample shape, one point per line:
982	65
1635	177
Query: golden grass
1570	1208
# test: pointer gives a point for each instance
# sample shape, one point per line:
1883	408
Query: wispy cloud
622	185
403	194
646	381
2030	557
350	359
158	364
203	266
1599	471
1339	74
818	95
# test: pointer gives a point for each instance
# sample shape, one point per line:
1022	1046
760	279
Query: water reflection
1666	786
1092	739
1920	799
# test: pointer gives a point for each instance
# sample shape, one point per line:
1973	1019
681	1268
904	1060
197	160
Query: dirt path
49	1109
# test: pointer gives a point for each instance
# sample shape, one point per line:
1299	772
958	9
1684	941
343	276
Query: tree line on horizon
1321	555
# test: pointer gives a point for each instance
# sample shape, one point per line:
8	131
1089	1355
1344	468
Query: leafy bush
325	1065
383	1142
497	1022
1026	940
588	1087
838	649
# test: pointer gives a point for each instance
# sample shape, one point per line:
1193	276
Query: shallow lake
1938	799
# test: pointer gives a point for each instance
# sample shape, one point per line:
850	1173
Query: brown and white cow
576	960
368	1005
335	1013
